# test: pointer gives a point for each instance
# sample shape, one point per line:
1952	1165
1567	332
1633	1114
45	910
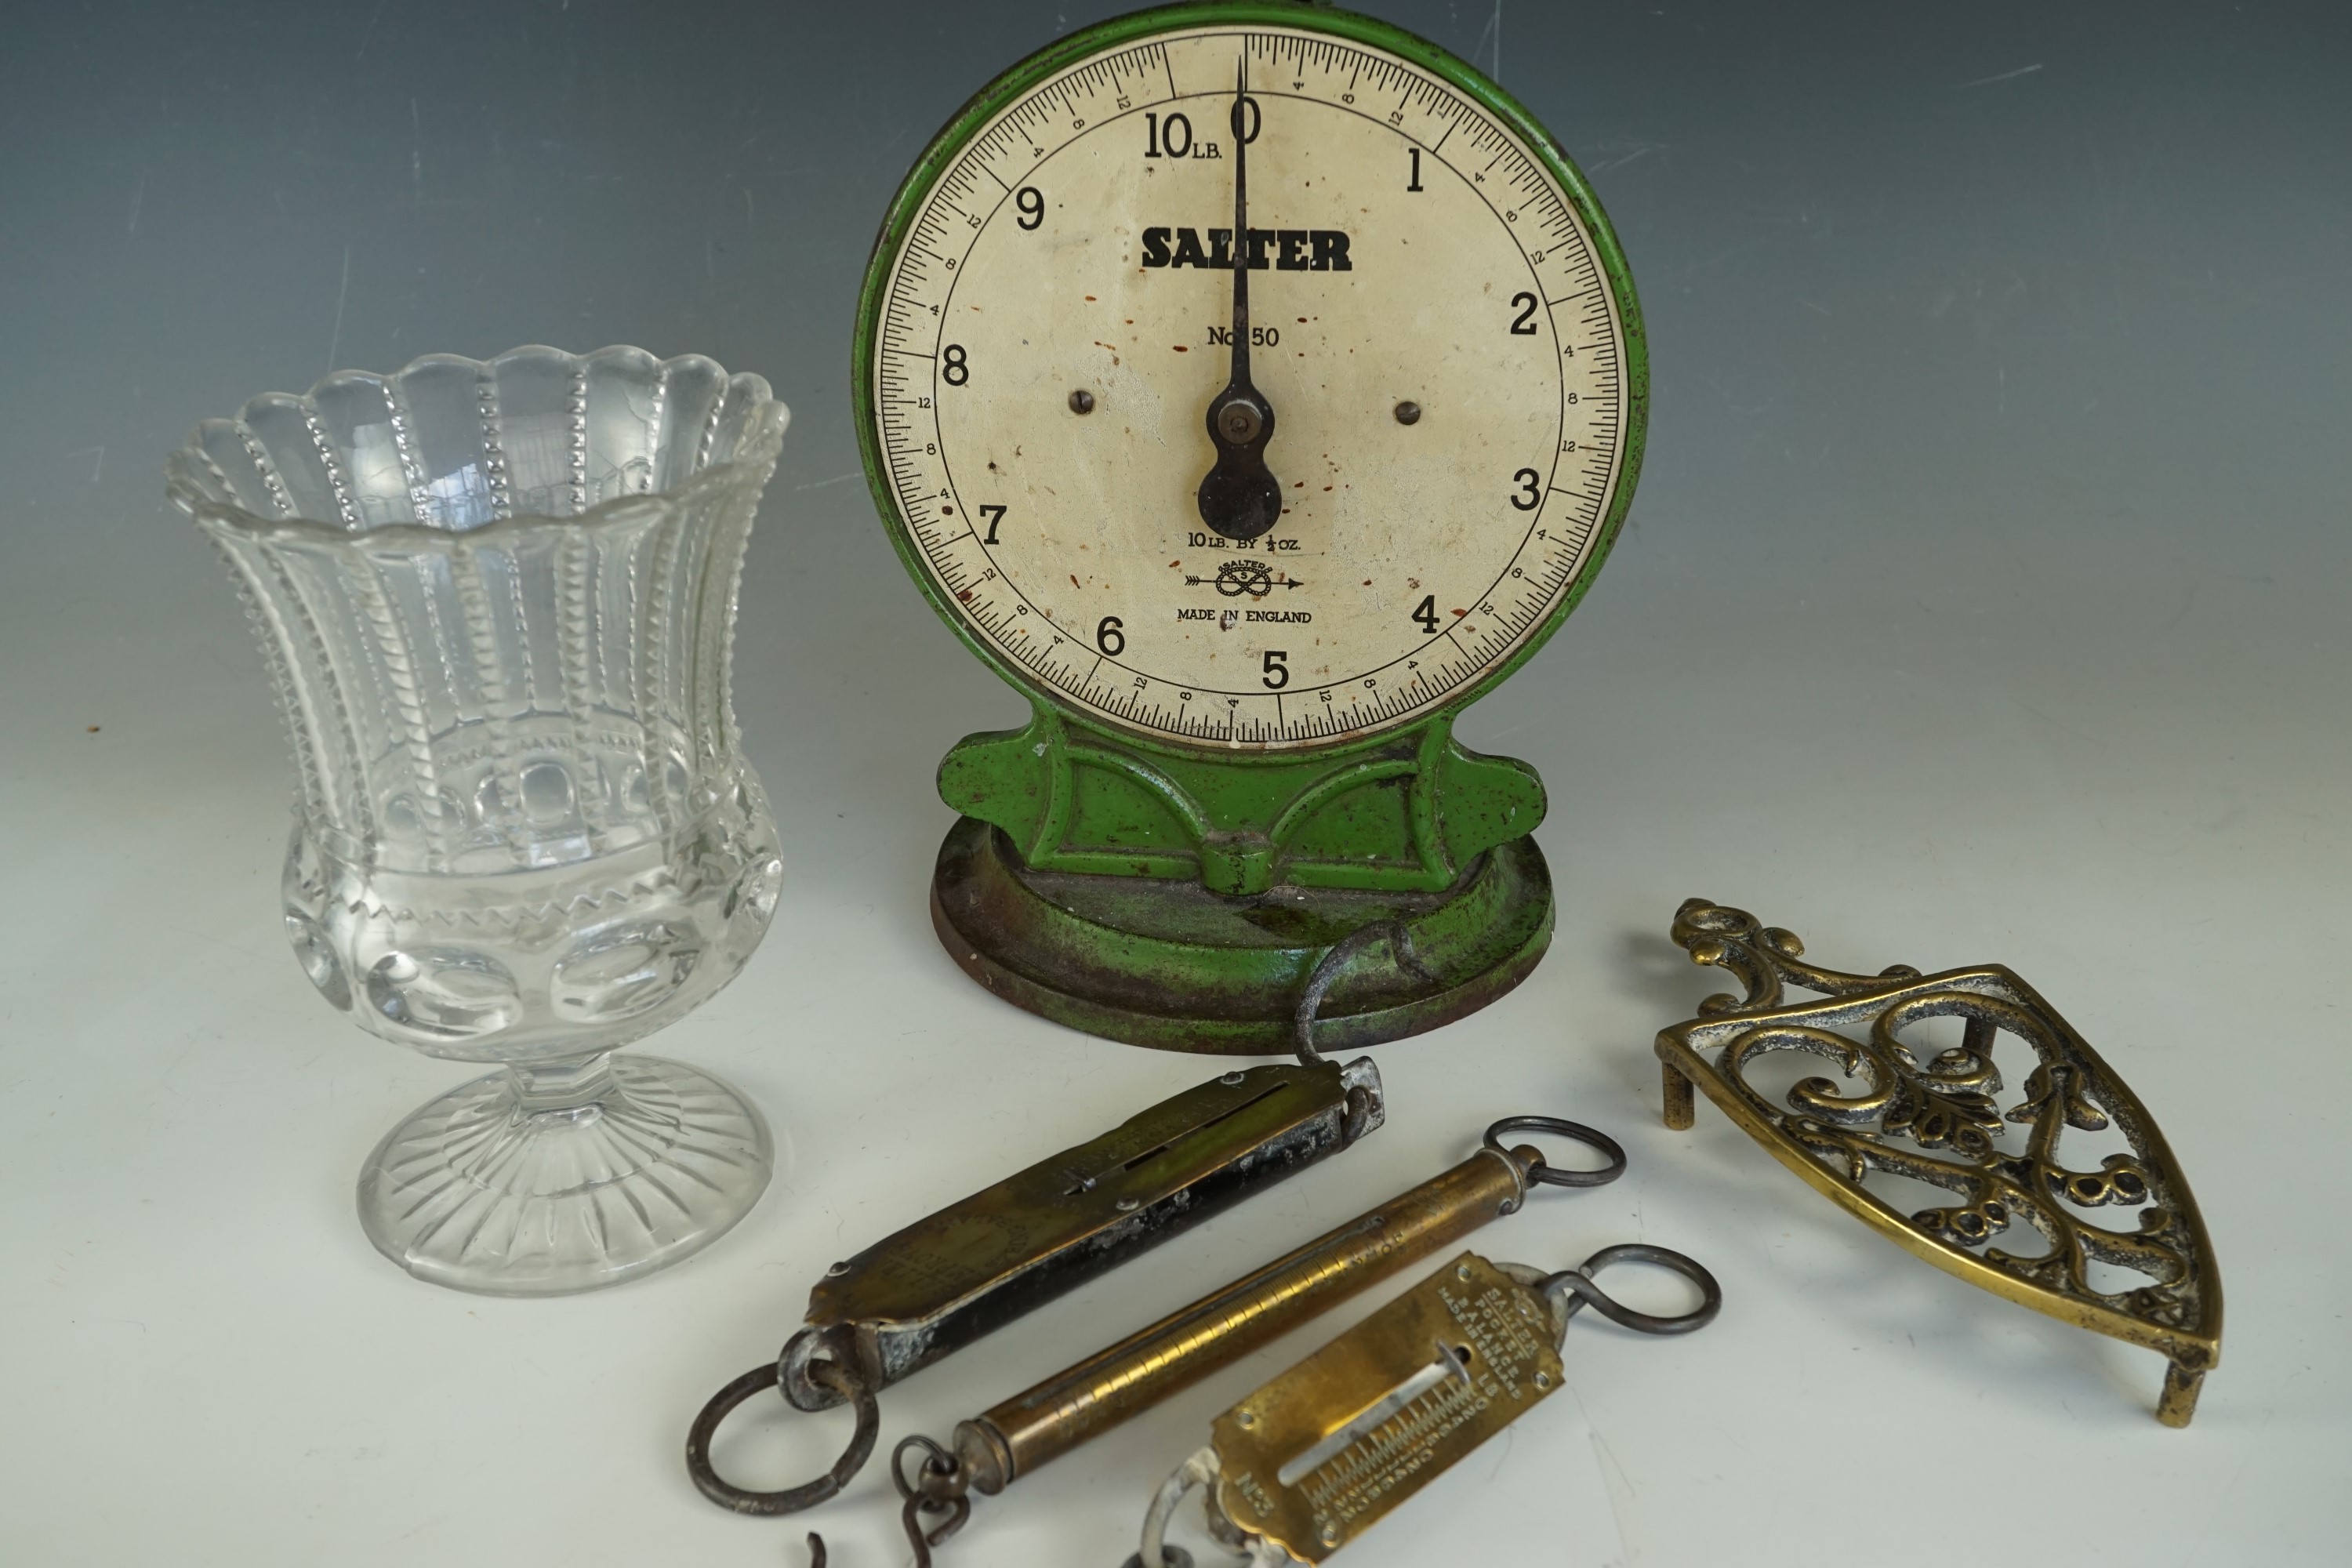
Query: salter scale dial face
1435	365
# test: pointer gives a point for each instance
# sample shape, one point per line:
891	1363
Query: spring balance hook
998	1446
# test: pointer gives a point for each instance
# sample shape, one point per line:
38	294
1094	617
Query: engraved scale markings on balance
1318	1455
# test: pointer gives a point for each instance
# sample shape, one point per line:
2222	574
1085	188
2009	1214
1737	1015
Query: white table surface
1985	600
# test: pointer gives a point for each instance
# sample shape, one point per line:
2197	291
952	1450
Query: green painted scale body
1193	816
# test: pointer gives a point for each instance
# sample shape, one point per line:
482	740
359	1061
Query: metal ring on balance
1553	1176
832	1375
1578	1285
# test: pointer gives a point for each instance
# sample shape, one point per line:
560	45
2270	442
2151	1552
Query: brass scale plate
1322	1453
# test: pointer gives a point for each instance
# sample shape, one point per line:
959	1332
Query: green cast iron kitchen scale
1248	520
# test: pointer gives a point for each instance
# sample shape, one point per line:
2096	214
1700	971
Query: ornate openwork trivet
1937	1122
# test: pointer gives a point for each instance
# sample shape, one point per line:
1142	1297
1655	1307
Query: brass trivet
1938	1123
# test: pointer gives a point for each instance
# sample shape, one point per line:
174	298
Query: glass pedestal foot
564	1176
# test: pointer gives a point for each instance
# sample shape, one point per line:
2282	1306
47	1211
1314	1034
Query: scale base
1170	965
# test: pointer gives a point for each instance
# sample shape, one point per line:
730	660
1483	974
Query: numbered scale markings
1429	320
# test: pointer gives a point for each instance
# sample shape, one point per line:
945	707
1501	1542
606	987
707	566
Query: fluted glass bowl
498	601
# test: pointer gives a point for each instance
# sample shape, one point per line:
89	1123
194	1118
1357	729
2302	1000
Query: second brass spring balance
1322	1453
1010	1439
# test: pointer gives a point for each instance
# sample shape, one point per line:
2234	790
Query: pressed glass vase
498	601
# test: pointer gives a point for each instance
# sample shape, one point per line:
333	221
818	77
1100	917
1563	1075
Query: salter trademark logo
1283	249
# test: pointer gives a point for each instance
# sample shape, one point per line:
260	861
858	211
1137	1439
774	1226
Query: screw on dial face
1417	281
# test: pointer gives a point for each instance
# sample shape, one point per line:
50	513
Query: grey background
1984	599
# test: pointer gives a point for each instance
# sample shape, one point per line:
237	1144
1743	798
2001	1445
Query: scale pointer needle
1241	498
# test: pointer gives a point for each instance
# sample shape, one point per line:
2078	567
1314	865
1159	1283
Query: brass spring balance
1319	1455
974	1266
1010	1439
